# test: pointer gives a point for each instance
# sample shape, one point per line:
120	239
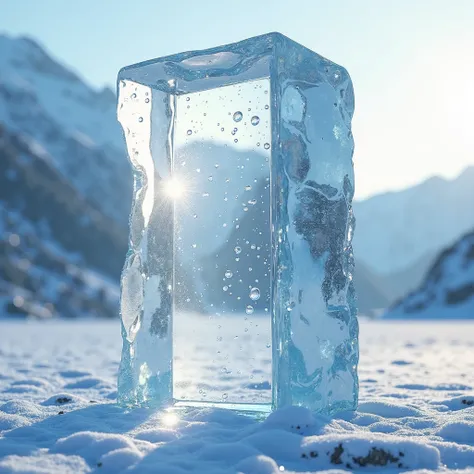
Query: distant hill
397	230
401	282
373	294
447	291
58	255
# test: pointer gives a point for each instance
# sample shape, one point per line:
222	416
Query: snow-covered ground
58	412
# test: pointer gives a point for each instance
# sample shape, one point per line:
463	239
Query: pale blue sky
411	62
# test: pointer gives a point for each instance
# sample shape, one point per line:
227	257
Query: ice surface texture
240	230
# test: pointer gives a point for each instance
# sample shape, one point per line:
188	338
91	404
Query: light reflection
174	188
170	419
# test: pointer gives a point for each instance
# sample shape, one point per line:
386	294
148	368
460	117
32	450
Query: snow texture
58	412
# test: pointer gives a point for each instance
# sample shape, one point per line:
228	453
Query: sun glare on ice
170	419
174	188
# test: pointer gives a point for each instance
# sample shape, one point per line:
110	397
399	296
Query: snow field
57	410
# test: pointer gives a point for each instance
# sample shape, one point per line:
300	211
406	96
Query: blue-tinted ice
237	289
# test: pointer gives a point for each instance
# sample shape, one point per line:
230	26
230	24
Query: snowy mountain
447	291
70	124
55	248
67	136
65	189
398	229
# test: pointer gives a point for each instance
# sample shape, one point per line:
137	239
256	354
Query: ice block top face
250	59
199	70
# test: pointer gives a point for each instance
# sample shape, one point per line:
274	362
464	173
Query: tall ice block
237	288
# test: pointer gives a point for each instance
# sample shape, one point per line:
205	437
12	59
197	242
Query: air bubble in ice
249	309
255	120
266	146
254	294
248	187
238	116
210	178
228	274
237	250
189	132
140	119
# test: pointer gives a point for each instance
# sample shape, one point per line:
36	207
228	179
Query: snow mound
44	464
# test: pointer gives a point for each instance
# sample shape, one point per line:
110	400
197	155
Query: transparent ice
237	288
